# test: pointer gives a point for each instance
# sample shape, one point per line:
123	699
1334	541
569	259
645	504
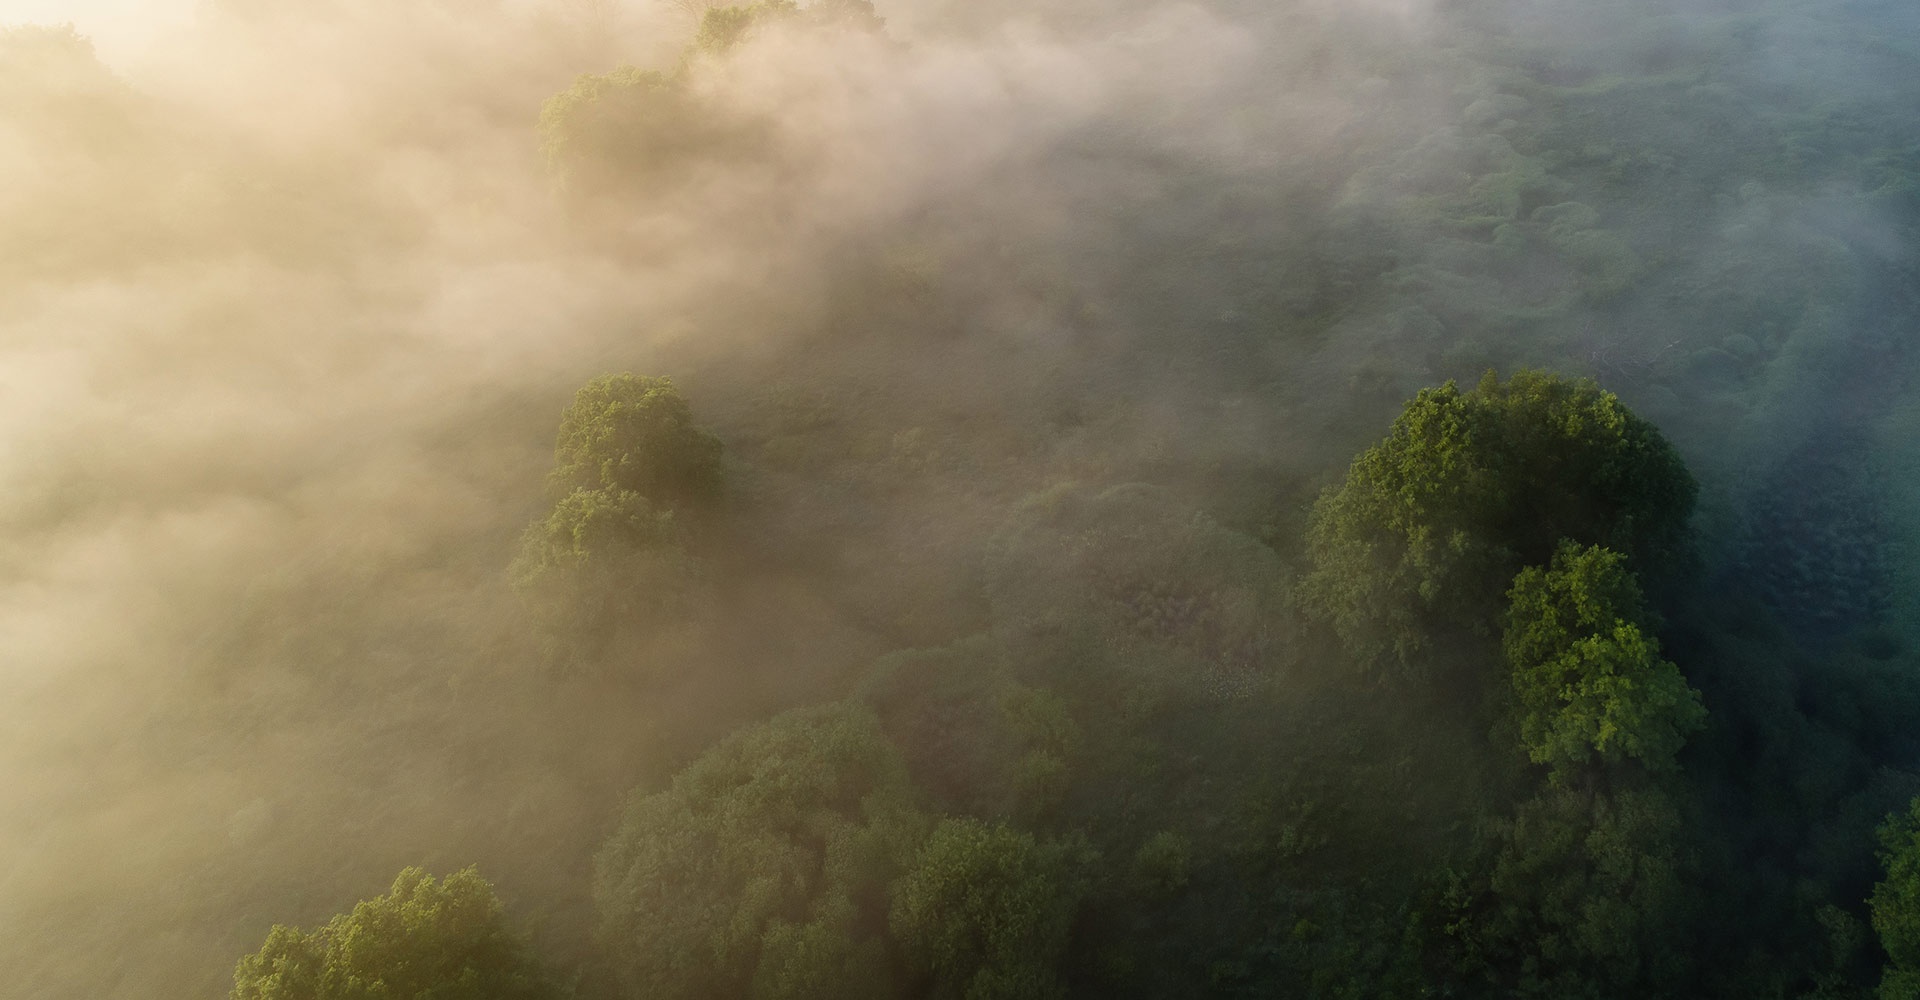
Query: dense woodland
975	501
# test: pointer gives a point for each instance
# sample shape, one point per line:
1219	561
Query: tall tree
633	432
1432	523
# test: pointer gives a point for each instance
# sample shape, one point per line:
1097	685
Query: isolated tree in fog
600	561
634	433
631	470
423	940
611	129
1432	523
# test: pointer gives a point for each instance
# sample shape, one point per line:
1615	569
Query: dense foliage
762	872
1472	486
1153	500
423	940
1590	688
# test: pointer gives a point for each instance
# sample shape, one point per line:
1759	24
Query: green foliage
985	911
423	940
1163	864
635	433
1165	592
1583	898
630	128
976	740
631	471
722	28
1896	903
602	561
762	871
1433	522
1590	686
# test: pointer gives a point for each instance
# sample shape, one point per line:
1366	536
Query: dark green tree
985	911
763	870
1896	904
1432	523
423	940
1584	897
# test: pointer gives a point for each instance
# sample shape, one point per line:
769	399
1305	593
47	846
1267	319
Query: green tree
423	940
631	471
762	871
602	561
631	432
1431	524
1588	681
1584	897
632	131
1896	904
722	28
985	911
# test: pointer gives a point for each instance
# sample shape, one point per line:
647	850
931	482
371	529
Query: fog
292	298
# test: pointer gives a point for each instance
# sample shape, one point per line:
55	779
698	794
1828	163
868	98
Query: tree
762	871
1431	524
722	28
602	561
610	131
1896	904
1588	681
612	553
985	911
635	433
1583	897
423	940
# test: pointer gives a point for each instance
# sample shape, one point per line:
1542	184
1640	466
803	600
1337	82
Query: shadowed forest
963	499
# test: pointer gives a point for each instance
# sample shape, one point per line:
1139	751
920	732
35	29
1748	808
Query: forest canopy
960	500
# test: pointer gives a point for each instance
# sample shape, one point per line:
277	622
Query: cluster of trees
998	818
1495	716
